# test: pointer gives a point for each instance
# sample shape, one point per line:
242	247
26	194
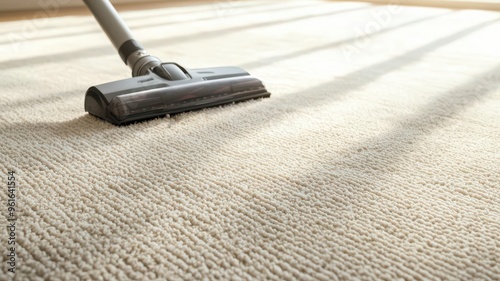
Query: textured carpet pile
376	158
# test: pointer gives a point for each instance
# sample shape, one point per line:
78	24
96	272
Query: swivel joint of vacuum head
138	59
140	62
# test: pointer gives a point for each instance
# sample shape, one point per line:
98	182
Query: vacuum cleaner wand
159	88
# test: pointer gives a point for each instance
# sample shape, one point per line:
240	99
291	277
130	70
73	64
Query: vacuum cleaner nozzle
167	89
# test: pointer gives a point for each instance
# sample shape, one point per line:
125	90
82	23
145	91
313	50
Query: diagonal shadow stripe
265	10
215	33
96	29
101	51
273	59
202	5
153	9
362	77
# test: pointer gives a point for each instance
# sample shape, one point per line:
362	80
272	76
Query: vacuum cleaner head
169	88
159	88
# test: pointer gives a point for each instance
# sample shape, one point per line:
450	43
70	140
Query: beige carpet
376	158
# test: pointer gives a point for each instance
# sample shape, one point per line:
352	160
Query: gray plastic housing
149	96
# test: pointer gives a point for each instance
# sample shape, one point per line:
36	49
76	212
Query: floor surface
377	156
